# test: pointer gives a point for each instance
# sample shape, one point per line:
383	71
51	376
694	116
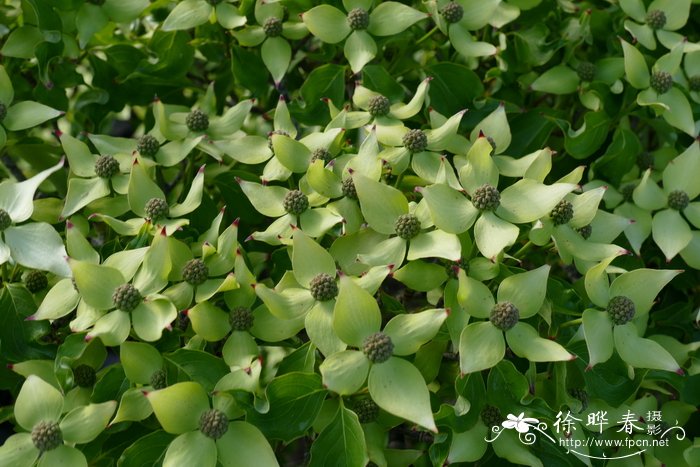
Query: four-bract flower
272	33
669	227
521	423
95	176
331	25
659	19
191	13
456	18
39	410
657	88
205	434
495	213
129	288
519	297
22	115
626	301
393	383
35	245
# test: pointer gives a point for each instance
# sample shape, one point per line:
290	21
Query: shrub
349	233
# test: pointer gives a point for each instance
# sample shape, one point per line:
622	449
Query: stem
427	35
398	181
523	250
573	322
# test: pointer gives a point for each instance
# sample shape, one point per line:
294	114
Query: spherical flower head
323	287
656	19
378	106
407	226
661	81
486	198
36	281
693	84
627	191
491	416
678	200
621	309
156	208
159	379
645	160
321	154
586	231
452	12
562	213
581	395
415	141
358	18
213	423
274	132
195	272
378	347
197	120
349	189
295	202
47	436
366	409
272	27
3	111
106	166
147	146
126	297
241	318
5	220
504	315
84	376
586	71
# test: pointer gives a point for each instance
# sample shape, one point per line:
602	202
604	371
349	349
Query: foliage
340	233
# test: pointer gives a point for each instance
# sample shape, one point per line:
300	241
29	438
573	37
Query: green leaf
676	12
557	80
17	198
83	424
124	11
670	232
526	342
83	191
640	352
193	448
381	204
478	14
187	14
421	276
409	332
179	407
21	43
80	159
390	18
449	209
437	244
682	172
679	113
481	346
597	328
327	23
636	69
267	200
642	286
295	400
494	125
140	361
526	290
18	451
142	189
452	85
133	406
243	445
202	367
291	153
61	299
590	137
345	372
28	114
7	92
356	313
398	387
63	455
147	450
341	443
